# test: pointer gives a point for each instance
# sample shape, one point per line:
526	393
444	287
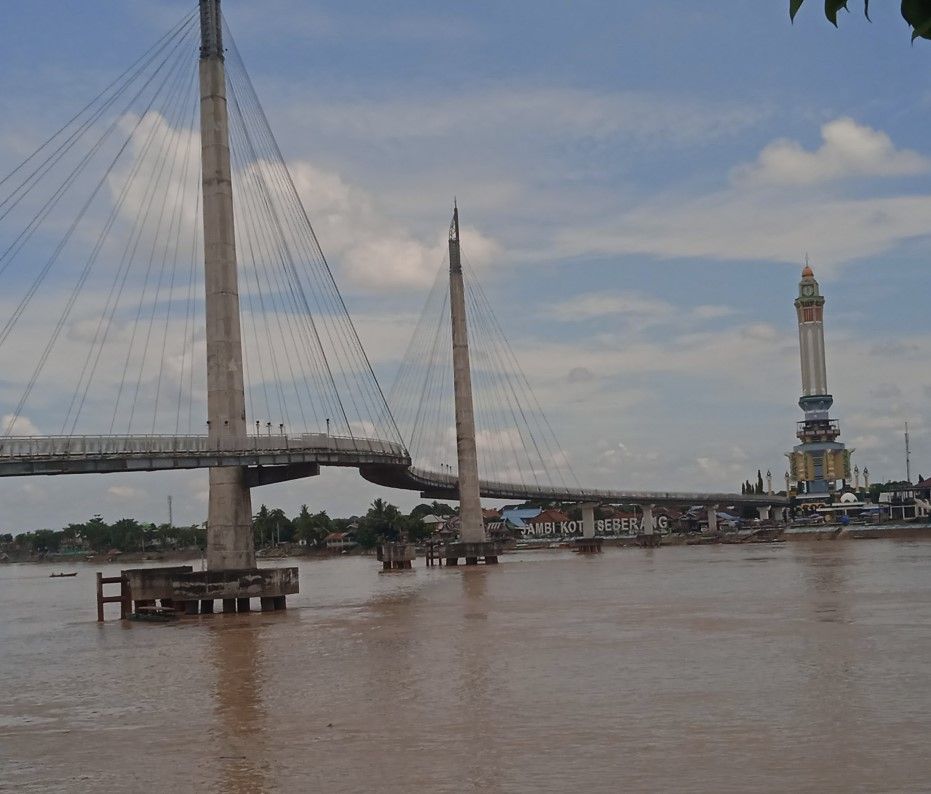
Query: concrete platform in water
486	551
396	556
588	545
194	592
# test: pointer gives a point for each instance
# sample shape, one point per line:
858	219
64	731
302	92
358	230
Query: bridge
172	301
276	458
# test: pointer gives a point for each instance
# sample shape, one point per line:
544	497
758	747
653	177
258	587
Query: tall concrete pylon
470	506
229	518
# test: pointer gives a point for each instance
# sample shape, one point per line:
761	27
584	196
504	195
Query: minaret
229	517
810	308
820	461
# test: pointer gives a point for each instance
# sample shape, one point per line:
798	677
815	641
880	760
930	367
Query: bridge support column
648	535
229	518
588	543
473	545
765	512
712	512
230	545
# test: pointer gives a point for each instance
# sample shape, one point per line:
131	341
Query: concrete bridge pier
648	536
231	573
712	512
588	543
765	512
396	556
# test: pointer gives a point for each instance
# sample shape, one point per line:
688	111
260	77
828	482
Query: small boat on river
60	575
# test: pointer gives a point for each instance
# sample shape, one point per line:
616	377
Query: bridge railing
34	447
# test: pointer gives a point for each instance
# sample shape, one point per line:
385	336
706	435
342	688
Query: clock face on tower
808	290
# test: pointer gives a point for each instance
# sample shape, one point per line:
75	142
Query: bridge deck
33	455
434	485
381	462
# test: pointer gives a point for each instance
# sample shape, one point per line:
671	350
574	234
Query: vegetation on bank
870	494
383	521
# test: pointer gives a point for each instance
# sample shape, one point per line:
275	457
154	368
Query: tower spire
470	507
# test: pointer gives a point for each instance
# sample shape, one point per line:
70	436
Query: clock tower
820	465
809	306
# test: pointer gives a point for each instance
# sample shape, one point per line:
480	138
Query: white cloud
580	375
552	112
602	304
634	309
712	312
21	427
373	250
125	492
761	215
849	149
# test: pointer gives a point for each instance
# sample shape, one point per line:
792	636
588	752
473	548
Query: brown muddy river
792	667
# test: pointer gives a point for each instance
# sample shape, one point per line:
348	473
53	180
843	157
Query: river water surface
789	667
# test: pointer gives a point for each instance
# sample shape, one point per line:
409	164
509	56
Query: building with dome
819	466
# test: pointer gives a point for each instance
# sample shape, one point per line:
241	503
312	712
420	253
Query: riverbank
758	535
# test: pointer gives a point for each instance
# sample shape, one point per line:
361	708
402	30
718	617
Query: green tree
126	535
434	508
97	533
166	536
312	528
281	526
414	529
383	521
42	540
261	526
917	13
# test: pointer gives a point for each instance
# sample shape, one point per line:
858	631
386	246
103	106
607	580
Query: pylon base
486	551
192	592
589	545
396	556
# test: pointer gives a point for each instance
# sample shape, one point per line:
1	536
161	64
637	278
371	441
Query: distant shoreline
792	534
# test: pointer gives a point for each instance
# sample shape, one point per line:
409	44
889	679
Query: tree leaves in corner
917	13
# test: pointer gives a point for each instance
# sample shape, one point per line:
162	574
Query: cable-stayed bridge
165	304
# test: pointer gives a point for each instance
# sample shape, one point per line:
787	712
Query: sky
639	185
